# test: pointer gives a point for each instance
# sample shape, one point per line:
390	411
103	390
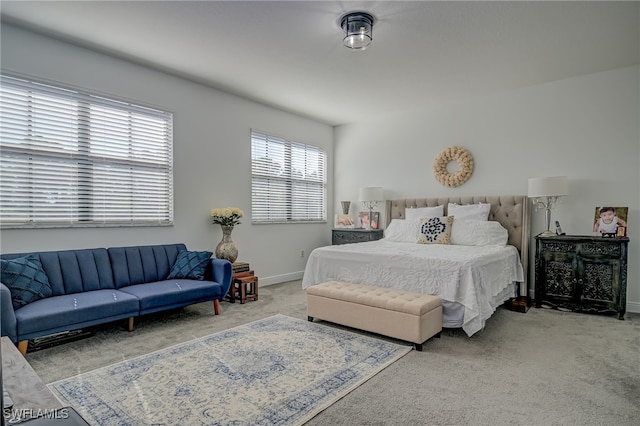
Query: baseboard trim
633	307
277	279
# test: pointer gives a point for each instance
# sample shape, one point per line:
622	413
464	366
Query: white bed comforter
469	275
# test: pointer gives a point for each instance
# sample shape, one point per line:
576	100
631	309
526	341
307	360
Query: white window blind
288	181
75	159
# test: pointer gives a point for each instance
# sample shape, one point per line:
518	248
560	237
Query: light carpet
276	371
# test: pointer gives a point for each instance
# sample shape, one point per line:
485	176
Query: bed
472	280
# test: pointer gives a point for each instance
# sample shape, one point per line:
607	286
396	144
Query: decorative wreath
465	166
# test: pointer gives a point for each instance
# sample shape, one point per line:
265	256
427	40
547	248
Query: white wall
586	128
211	157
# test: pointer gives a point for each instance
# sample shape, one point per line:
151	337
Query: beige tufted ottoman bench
394	313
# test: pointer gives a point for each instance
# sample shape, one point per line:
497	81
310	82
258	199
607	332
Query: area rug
276	371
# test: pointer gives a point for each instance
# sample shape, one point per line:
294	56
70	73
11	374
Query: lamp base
547	234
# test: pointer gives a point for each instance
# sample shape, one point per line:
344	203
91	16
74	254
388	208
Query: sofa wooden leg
216	307
22	347
130	326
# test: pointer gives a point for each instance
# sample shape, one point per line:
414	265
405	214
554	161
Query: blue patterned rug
276	371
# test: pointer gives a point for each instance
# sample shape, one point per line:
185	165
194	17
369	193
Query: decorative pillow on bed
478	233
478	211
190	265
423	212
26	280
436	230
402	231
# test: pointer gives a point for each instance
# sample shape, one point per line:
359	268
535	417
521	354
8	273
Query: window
288	181
75	159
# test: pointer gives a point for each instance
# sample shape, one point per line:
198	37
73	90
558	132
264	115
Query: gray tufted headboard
510	210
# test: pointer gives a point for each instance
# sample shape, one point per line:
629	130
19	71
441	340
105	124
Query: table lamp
544	192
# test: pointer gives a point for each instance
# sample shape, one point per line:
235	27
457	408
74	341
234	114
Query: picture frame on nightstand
344	221
611	222
364	220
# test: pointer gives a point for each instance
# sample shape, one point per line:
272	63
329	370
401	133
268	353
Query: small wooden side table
246	286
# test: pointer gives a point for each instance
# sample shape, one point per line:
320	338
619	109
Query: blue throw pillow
190	264
26	280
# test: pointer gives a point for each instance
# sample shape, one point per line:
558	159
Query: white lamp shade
371	193
553	186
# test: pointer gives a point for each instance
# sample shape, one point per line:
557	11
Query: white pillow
403	231
470	232
478	211
423	212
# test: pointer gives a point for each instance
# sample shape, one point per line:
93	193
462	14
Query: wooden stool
246	284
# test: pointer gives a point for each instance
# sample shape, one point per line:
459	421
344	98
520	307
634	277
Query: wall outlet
301	253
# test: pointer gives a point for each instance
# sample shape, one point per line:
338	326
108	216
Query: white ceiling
289	54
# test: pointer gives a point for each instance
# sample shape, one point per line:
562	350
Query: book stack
240	267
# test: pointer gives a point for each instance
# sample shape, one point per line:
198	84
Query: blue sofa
96	286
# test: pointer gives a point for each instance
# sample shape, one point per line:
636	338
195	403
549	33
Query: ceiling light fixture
358	30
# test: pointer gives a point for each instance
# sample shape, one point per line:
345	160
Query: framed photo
611	221
345	221
364	220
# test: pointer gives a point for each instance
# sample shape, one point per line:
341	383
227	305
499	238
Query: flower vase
225	248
